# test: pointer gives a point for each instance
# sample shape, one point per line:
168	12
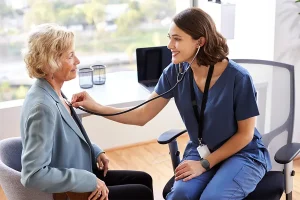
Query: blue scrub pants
235	178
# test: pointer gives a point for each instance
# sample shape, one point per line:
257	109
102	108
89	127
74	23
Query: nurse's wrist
205	164
99	108
211	160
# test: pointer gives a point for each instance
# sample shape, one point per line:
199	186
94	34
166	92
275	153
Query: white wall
254	28
10	119
181	5
287	46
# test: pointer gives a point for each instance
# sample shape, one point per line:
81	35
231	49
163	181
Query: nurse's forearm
232	146
139	116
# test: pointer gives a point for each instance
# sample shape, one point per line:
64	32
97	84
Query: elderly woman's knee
147	177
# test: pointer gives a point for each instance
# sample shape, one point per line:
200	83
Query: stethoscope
180	75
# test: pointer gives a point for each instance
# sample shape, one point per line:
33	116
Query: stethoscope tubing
180	77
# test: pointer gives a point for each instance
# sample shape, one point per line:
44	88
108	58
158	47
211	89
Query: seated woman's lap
233	179
130	192
193	188
126	184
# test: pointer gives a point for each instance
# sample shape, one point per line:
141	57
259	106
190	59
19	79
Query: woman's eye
176	39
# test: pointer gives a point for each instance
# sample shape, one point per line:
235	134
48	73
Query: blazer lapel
63	111
69	120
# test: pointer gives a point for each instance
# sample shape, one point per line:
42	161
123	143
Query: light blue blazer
56	157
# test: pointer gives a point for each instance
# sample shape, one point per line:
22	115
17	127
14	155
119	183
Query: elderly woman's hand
103	161
101	191
84	100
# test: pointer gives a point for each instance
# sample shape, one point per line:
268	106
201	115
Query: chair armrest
170	135
60	196
71	195
287	153
78	196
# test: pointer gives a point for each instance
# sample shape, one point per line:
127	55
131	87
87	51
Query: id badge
203	151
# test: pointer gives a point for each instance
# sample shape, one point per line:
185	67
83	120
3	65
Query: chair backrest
274	83
10	173
10	153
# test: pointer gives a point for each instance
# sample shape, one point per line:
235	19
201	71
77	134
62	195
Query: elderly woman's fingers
93	194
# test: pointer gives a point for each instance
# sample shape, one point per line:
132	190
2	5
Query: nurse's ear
200	42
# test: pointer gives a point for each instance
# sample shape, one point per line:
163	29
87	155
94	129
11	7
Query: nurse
225	157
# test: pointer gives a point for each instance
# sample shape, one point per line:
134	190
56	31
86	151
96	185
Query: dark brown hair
197	23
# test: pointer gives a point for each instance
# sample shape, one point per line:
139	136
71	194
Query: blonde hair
46	44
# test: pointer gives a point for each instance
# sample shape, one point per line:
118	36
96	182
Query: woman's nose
170	45
77	61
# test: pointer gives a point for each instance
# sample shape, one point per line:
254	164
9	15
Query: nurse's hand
188	170
84	100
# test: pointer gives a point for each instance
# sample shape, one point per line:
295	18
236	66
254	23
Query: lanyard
200	118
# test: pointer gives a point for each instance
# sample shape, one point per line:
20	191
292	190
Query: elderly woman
57	153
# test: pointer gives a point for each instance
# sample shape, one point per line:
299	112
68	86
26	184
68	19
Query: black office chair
275	86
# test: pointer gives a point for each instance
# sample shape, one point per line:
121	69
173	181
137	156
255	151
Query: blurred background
107	32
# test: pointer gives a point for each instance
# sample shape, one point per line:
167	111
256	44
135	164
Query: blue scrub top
232	98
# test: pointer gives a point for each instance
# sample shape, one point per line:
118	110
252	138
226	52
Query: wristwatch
205	164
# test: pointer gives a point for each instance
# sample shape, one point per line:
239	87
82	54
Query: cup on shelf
99	74
85	78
